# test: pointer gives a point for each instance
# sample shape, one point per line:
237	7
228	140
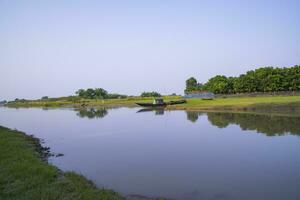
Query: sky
52	48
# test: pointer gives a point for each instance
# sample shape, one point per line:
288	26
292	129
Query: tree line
150	94
265	79
98	93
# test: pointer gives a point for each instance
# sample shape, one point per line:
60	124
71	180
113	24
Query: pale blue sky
56	47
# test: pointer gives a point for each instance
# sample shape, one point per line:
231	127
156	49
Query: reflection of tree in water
267	124
270	125
193	115
92	113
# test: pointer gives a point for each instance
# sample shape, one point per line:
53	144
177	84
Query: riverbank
257	103
80	102
24	174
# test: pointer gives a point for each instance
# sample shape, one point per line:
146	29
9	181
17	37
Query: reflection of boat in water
157	110
159	102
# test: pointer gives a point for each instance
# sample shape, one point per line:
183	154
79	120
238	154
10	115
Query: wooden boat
176	102
161	103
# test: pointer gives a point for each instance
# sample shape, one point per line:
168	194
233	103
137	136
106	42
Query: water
175	154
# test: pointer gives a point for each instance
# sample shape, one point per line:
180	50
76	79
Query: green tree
192	85
80	92
90	93
218	84
100	93
150	94
264	79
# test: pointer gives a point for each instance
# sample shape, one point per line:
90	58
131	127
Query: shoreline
274	104
25	172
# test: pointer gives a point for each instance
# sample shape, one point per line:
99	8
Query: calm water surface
176	154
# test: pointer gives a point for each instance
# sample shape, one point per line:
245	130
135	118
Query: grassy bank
23	174
78	102
256	103
273	103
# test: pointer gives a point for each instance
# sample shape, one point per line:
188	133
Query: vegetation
281	104
192	85
23	174
262	104
98	93
76	101
266	79
150	94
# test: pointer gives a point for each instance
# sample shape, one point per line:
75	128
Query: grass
242	103
266	103
61	102
23	174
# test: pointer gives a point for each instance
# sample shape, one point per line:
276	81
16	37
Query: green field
242	103
23	174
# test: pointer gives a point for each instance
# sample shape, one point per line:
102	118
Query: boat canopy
158	101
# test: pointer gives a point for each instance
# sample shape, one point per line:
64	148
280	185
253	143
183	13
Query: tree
150	94
80	92
100	93
218	84
264	79
90	93
191	85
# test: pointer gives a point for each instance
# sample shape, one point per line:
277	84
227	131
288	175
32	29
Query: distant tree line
150	94
98	93
265	79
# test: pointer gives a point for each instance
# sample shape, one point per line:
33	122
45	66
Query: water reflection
193	116
92	113
157	111
269	125
169	156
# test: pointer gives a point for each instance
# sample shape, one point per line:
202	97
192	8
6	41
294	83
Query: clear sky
55	47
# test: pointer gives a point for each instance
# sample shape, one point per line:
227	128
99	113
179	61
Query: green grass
23	175
283	103
241	103
61	102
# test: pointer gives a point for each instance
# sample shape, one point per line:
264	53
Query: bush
150	94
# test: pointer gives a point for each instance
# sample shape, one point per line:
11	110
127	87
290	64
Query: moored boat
158	102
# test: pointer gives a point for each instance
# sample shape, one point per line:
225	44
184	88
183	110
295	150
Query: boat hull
161	105
151	105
